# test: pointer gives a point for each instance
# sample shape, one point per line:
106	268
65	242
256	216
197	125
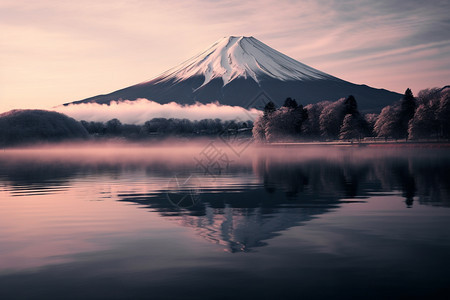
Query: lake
224	221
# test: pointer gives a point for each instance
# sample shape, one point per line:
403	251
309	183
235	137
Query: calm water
116	222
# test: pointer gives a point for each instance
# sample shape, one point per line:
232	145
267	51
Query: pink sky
53	52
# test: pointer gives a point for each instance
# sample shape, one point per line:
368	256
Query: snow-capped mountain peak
237	70
238	56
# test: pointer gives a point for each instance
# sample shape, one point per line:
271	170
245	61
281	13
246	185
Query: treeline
324	120
426	116
162	127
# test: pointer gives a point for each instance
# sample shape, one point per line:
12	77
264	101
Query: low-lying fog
142	110
175	152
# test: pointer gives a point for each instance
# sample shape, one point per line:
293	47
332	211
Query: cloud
142	110
61	51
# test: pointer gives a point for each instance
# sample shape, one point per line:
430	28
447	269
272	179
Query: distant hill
242	71
29	126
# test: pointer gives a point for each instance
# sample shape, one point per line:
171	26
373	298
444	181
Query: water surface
116	222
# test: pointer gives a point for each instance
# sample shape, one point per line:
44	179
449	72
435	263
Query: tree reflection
293	193
423	177
259	197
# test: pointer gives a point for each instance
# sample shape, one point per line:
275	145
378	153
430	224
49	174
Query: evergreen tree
290	103
351	106
300	116
406	113
269	108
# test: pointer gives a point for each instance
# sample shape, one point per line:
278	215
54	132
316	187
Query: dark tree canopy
113	127
290	103
33	125
330	120
162	127
269	108
351	106
301	115
406	112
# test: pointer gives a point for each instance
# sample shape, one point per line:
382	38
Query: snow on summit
238	56
236	70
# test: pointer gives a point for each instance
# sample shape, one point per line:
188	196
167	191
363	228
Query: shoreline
371	144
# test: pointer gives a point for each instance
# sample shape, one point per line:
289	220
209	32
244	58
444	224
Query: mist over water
339	220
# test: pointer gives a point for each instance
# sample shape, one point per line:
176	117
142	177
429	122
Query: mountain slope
237	70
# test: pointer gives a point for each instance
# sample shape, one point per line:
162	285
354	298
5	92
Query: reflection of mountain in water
259	198
293	193
239	220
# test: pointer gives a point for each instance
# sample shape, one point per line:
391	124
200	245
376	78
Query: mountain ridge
236	69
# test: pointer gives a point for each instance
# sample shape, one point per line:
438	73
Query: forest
163	127
423	117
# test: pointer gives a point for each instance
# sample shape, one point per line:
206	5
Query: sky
53	52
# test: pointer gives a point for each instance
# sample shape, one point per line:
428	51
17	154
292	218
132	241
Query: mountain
245	72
